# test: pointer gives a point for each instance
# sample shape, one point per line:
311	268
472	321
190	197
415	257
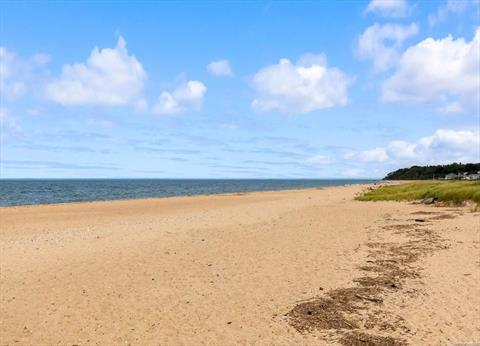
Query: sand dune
230	269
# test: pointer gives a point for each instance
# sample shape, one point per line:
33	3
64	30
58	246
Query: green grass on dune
455	192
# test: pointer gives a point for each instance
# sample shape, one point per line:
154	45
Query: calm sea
27	191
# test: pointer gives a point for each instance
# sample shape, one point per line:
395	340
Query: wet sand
236	269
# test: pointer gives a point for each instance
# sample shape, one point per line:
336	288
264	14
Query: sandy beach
240	269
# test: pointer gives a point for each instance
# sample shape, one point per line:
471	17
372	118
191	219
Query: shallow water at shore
47	191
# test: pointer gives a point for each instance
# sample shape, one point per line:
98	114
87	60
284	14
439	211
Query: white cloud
381	43
141	105
449	7
17	73
449	146
374	155
220	68
389	8
186	97
8	124
6	60
443	70
443	146
110	76
468	142
319	160
451	107
305	86
6	119
348	154
40	59
401	150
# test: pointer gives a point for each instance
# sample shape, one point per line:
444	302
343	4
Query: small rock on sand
429	200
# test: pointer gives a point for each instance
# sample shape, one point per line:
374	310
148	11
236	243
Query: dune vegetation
456	192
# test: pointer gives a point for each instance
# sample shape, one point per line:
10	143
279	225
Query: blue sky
315	89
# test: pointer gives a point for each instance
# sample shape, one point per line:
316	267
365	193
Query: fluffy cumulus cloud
443	146
110	77
186	97
381	43
302	87
389	8
444	70
451	144
220	68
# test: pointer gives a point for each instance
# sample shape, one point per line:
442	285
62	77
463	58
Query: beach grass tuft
456	192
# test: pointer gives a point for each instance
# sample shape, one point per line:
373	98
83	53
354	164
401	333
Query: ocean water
46	191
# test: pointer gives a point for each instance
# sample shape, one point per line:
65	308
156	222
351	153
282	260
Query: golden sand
229	269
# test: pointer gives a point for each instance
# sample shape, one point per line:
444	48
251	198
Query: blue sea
46	191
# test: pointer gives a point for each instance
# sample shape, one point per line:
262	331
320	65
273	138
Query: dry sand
270	268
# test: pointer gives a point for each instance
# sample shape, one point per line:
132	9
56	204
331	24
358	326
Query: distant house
463	176
451	176
474	176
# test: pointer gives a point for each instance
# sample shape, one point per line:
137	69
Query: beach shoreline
159	187
153	199
227	268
